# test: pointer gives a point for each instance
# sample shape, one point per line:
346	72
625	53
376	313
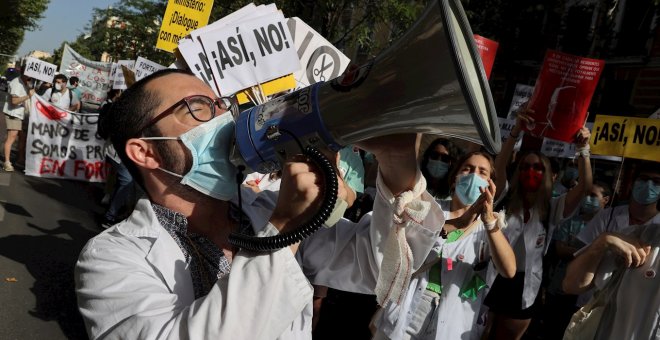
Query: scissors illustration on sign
319	71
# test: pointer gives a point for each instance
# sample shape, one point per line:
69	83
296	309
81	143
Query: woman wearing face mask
532	215
559	306
445	295
436	162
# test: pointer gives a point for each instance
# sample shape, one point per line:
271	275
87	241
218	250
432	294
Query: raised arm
503	159
585	180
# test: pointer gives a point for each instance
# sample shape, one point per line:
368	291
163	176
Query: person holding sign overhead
169	270
60	95
532	216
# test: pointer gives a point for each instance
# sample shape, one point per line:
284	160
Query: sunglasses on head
535	166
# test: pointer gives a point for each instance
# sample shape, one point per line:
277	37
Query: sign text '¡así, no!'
626	136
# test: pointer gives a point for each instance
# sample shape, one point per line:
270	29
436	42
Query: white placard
255	51
320	60
94	77
506	125
39	69
521	94
197	62
118	81
145	67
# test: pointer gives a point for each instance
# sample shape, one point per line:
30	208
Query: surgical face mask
437	168
58	86
570	174
590	205
467	188
209	143
645	191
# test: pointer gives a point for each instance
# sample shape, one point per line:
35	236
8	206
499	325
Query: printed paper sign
119	82
255	51
94	77
64	144
145	67
521	95
39	69
182	17
626	136
506	125
319	59
487	50
562	95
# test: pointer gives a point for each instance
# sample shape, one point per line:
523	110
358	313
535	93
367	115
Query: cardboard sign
319	59
145	67
506	125
487	50
521	95
626	136
118	82
562	95
252	52
181	17
94	77
39	69
64	144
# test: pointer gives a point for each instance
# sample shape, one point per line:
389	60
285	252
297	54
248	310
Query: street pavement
44	224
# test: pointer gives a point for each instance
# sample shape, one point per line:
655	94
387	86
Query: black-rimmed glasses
201	108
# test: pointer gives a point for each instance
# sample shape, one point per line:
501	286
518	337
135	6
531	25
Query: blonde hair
541	201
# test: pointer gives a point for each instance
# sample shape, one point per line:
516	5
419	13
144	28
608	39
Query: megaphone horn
431	81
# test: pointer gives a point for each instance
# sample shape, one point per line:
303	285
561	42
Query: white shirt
61	100
132	281
17	88
601	223
264	181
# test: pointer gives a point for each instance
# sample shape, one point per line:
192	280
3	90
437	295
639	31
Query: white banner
94	77
39	69
118	82
145	67
250	52
320	60
64	144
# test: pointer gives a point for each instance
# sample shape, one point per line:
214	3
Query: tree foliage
17	16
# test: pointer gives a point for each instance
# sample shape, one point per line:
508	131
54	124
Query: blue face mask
570	174
467	188
209	143
590	204
645	192
437	168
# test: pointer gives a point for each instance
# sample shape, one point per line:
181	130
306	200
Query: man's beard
179	162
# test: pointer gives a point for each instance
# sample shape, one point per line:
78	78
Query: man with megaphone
170	271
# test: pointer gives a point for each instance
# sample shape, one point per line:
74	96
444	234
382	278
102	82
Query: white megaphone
430	81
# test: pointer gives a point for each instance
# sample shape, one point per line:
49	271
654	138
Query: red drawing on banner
50	111
562	95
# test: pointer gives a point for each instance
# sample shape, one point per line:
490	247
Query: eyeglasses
535	166
200	107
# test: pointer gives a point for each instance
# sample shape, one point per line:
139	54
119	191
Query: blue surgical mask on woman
467	188
209	143
437	168
590	204
645	192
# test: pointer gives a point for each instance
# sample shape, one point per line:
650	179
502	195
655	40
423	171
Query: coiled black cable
272	243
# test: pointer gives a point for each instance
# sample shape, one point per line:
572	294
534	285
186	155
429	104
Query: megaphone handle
272	243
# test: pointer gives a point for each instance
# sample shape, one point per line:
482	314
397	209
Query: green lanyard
435	284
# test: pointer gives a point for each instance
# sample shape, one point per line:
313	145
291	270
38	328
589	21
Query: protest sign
119	82
94	77
64	144
655	115
319	59
181	17
249	53
506	125
562	95
39	69
626	136
521	95
487	50
145	67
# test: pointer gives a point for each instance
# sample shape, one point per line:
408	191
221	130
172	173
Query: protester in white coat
168	271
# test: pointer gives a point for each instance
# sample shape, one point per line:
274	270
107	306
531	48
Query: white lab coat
133	283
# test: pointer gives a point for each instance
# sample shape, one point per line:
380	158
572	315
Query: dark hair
441	188
457	166
73	80
645	166
125	118
61	77
607	189
113	93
